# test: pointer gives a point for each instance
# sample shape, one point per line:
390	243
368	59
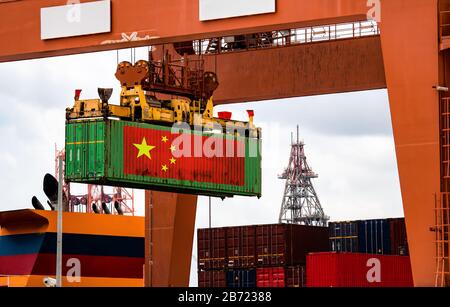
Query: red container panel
399	241
270	278
211	279
211	248
295	276
271	241
287	245
241	246
358	270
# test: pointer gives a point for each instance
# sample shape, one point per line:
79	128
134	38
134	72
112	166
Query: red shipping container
357	270
211	279
270	278
287	244
295	276
211	248
241	246
399	241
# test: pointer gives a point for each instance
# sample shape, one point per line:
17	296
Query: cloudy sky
348	138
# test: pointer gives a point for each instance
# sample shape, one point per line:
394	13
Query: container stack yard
359	249
289	255
383	236
271	255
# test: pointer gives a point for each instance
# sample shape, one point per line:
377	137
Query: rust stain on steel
300	70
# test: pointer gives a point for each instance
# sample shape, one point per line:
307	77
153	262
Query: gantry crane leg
169	233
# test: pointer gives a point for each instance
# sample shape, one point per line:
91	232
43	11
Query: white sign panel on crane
219	9
75	19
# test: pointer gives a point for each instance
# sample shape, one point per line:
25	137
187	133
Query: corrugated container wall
344	237
211	248
212	279
245	278
295	276
270	277
271	245
271	255
374	237
241	248
140	155
399	241
287	244
358	270
381	236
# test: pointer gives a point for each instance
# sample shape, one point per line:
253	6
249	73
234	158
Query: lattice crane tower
300	204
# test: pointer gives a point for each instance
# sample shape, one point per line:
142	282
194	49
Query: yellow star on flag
172	148
164	168
173	160
144	149
164	139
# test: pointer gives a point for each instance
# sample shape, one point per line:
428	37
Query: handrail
286	37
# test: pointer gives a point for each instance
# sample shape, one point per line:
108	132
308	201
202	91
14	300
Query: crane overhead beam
147	23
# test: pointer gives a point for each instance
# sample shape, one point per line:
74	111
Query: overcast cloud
348	140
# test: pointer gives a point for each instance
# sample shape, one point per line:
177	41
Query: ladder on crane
442	207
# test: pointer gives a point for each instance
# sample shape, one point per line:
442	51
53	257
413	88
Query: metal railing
286	37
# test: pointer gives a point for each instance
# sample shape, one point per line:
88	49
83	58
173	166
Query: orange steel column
169	233
409	39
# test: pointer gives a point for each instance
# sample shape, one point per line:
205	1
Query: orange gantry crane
281	49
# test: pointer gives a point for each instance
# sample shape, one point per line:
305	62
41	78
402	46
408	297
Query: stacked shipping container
241	278
358	270
280	277
295	276
275	255
241	249
212	279
211	248
270	277
369	253
258	255
399	241
382	236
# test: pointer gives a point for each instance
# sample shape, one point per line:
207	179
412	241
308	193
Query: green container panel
95	153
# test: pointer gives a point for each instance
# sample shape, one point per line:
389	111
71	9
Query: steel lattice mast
300	202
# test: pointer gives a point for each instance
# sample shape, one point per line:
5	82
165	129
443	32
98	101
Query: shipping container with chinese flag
140	155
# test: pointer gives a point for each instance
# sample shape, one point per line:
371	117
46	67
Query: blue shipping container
374	237
344	237
241	278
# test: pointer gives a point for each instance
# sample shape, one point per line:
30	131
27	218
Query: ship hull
98	250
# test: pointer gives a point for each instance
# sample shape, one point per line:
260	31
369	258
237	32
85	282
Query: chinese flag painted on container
157	153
